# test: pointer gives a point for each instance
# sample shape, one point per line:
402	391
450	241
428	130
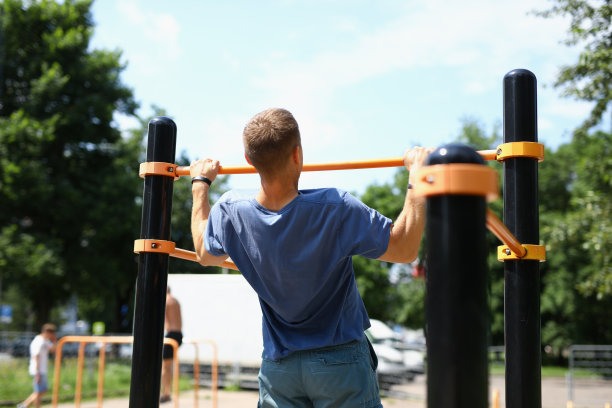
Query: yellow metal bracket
154	245
158	169
520	149
533	253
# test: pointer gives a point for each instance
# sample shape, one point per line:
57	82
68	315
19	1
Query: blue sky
364	79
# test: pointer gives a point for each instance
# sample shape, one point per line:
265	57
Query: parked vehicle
391	368
20	347
5	345
413	354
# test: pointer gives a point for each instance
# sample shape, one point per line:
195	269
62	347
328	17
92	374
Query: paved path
411	395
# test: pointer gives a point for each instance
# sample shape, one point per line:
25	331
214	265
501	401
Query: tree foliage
62	158
70	194
576	226
575	188
590	78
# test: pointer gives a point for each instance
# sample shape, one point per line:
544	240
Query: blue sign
6	313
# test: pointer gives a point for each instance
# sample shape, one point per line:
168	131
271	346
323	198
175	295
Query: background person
40	347
173	325
295	249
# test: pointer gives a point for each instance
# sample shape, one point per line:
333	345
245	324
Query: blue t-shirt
299	261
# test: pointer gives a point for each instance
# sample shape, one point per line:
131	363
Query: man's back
298	260
173	322
39	349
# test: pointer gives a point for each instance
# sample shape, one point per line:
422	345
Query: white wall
223	308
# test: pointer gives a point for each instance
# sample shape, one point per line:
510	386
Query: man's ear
247	159
296	154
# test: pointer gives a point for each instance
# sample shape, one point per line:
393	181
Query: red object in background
418	271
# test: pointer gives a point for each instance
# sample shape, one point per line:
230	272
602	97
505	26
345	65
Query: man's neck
277	194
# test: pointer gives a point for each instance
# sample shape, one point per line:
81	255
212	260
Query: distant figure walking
40	347
173	325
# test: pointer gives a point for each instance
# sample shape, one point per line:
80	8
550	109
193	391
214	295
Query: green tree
382	297
575	192
61	153
590	77
575	197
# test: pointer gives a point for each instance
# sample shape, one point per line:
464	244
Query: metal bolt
430	179
508	252
170	169
153	245
499	151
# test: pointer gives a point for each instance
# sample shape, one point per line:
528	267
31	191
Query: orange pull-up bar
349	165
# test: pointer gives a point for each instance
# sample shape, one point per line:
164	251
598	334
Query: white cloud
472	43
476	87
479	40
474	36
566	108
545	124
160	30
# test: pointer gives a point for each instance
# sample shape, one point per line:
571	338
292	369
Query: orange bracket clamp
169	247
520	149
158	169
154	245
457	179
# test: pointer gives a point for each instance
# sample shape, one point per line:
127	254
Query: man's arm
37	369
406	232
201	209
53	344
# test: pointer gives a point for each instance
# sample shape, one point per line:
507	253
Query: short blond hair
269	138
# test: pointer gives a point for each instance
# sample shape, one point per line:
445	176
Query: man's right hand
208	168
414	158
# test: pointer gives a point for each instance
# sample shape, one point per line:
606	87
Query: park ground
411	395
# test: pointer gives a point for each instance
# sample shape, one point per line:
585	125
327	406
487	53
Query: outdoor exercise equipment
457	185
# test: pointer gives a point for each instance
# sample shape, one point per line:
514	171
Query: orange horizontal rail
348	165
82	340
191	256
497	227
196	370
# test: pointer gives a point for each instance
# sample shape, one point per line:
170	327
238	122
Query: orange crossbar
349	165
497	227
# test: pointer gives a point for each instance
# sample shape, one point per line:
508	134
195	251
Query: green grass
16	383
547	371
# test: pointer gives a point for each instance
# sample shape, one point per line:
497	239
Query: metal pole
456	300
522	278
150	303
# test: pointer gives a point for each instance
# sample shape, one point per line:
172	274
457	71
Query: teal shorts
340	376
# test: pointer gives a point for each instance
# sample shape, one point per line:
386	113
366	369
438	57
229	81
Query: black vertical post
150	303
522	278
456	299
